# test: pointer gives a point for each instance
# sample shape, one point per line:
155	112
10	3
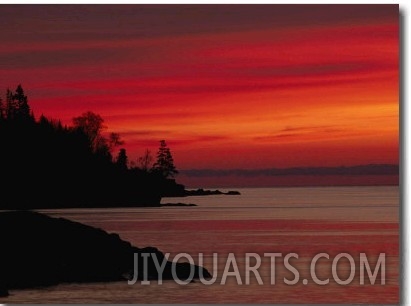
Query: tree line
93	125
47	164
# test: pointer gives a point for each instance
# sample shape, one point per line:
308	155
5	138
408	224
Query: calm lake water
305	221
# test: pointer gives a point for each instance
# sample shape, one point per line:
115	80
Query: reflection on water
306	221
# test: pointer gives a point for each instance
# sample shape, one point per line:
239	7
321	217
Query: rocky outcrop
202	192
170	188
233	192
178	205
38	250
3	291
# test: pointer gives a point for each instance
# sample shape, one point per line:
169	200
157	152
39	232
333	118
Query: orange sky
226	86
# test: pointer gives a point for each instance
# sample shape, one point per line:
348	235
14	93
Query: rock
231	192
170	188
178	204
202	192
43	251
3	291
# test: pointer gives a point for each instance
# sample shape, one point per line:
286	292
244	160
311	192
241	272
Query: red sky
228	86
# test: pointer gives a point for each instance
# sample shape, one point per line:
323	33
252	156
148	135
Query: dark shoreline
45	251
205	192
178	204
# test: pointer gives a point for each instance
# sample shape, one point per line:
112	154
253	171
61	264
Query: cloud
133	133
110	21
306	128
200	139
307	133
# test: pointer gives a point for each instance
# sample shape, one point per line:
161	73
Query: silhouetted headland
45	164
38	250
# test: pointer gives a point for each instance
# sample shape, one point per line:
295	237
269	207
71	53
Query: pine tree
17	107
165	163
11	106
122	159
23	108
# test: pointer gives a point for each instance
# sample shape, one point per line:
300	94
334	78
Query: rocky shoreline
38	250
3	291
202	192
178	205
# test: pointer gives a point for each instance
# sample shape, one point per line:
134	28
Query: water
305	221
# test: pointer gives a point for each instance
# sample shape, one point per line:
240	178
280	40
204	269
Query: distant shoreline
295	186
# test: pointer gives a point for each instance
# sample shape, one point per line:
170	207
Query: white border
405	240
405	270
402	3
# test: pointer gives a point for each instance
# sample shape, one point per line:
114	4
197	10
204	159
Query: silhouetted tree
11	105
122	159
17	107
114	141
145	162
23	108
165	163
92	125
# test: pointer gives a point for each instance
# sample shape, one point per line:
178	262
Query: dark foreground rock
3	291
202	192
37	250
